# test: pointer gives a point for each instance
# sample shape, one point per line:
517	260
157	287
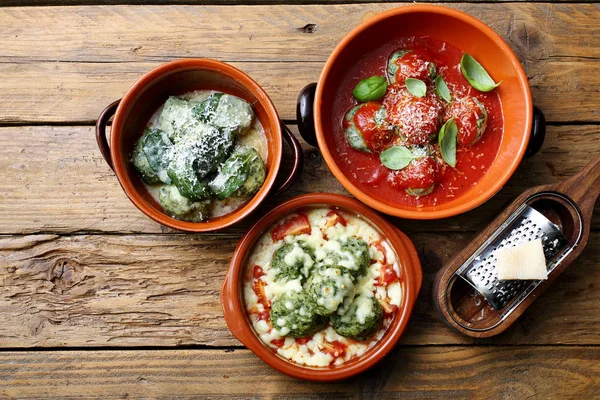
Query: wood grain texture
263	33
92	55
163	290
54	180
412	372
29	3
76	92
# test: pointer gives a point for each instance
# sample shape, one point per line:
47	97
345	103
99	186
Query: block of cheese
525	261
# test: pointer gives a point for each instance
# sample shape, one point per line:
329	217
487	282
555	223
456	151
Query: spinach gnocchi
294	315
328	287
322	287
202	155
293	260
361	320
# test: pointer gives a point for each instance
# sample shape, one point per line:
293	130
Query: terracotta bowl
232	298
465	33
132	112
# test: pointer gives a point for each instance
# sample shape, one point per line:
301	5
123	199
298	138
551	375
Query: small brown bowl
232	299
132	112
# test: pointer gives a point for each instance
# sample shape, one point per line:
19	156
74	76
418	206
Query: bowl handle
298	160
103	119
538	133
305	114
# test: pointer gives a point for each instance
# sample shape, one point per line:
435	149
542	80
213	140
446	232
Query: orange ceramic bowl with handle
315	106
134	110
232	298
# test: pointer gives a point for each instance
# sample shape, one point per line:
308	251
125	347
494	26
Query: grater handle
584	187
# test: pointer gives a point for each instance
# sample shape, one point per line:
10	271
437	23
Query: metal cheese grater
525	225
467	294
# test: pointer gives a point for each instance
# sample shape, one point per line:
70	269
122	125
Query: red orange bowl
232	298
134	110
465	33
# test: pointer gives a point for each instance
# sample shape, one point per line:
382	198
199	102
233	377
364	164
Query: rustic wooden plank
163	290
260	33
93	54
58	171
77	92
29	3
411	372
58	92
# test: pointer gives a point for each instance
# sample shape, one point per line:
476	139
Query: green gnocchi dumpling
293	314
226	112
187	181
292	261
181	207
175	116
351	254
202	148
328	288
361	320
359	251
241	175
392	66
156	146
353	134
481	120
140	162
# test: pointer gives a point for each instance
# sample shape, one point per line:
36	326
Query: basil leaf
370	89
442	89
447	141
477	76
416	87
396	157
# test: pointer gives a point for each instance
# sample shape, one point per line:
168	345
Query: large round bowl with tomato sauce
428	41
254	297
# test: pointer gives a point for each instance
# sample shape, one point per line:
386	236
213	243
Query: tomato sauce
366	171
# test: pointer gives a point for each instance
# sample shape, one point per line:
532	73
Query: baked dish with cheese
202	155
321	287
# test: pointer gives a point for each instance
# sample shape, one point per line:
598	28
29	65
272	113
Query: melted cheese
275	288
364	309
332	297
299	255
394	292
366	283
312	353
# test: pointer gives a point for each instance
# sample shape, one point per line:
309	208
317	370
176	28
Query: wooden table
98	300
